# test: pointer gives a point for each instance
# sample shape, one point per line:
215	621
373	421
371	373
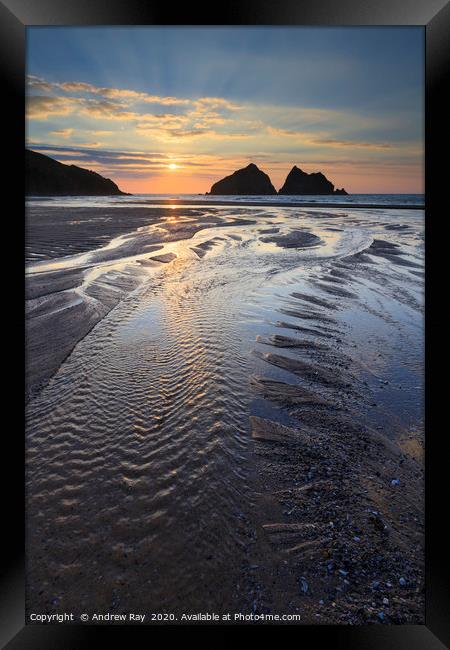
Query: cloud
377	146
284	133
63	133
121	93
306	139
81	87
39	84
121	104
208	103
89	117
88	155
40	107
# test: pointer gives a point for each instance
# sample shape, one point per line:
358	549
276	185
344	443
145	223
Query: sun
173	166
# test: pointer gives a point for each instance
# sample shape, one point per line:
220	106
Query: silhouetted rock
45	176
249	180
299	182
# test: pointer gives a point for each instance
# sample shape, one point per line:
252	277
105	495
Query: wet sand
63	302
224	414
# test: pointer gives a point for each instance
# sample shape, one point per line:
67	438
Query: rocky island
299	182
47	177
248	181
252	181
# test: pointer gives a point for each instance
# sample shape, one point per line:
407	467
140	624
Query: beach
225	408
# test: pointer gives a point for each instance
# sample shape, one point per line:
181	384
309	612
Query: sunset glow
203	103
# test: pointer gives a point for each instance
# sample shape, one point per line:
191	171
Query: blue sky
346	100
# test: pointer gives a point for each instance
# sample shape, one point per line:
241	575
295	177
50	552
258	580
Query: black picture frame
433	15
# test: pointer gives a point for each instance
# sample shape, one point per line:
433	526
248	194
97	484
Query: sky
174	109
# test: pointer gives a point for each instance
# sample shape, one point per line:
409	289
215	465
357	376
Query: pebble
357	539
375	584
304	585
385	601
395	481
381	616
402	582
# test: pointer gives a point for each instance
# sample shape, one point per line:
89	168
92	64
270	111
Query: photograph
224	325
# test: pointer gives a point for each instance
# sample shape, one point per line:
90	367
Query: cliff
45	176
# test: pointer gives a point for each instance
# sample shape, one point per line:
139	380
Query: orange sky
408	181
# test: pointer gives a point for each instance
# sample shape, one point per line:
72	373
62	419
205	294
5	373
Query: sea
405	200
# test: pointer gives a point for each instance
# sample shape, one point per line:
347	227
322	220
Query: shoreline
233	203
279	204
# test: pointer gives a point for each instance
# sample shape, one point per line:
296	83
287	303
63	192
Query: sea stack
299	182
45	176
249	180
